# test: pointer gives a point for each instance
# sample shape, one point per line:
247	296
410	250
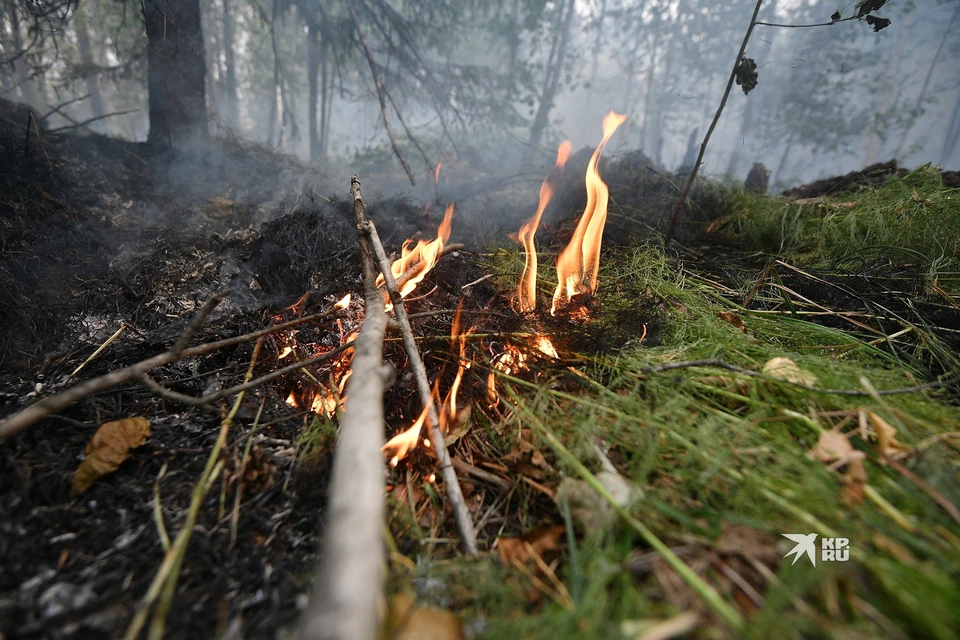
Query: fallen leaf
406	620
541	540
718	224
832	446
107	450
854	482
887	437
731	318
786	369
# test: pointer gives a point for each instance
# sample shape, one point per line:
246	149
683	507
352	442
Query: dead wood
137	372
350	577
454	493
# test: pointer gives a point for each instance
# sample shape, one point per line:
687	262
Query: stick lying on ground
350	577
454	494
137	372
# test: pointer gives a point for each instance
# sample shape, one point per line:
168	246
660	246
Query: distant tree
176	73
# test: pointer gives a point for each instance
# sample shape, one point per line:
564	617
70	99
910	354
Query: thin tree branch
378	83
347	591
454	493
713	125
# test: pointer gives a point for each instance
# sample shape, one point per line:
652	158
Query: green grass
713	449
911	220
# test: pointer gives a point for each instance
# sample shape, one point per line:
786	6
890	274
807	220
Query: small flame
292	400
457	337
403	443
344	302
527	291
579	263
286	351
417	261
545	346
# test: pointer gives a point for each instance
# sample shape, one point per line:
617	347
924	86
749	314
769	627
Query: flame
527	291
344	302
292	400
403	443
545	346
579	263
457	337
286	351
417	261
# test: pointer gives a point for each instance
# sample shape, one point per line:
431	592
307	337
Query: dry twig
350	578
454	494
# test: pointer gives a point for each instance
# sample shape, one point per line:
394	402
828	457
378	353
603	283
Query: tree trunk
554	71
918	107
952	135
231	106
326	96
313	73
22	73
176	73
89	63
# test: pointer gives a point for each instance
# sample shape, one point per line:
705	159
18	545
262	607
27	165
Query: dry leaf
407	620
718	224
787	369
541	540
854	482
832	446
887	437
107	450
732	318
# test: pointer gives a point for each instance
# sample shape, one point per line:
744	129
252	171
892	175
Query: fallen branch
134	373
454	494
350	576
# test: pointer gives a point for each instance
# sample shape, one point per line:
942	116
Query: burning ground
633	430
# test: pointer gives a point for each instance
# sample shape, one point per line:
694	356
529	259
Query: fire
461	339
417	261
579	263
513	360
403	443
527	291
292	400
286	351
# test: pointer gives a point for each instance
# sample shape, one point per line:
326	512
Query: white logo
805	544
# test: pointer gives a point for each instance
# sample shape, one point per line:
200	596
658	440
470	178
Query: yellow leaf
107	450
408	621
887	437
732	318
787	369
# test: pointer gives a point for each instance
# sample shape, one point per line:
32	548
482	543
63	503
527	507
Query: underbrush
911	220
721	459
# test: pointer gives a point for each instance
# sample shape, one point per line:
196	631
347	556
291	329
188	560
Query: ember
579	262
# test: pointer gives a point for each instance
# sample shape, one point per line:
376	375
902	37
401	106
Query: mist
494	87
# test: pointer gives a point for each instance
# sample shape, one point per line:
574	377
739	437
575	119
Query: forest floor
791	370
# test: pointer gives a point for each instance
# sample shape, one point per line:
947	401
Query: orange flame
527	291
579	263
419	260
457	337
403	443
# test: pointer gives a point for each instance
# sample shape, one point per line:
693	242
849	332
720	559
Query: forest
357	319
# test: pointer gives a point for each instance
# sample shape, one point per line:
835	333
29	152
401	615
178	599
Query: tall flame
402	443
579	262
417	261
461	339
527	291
